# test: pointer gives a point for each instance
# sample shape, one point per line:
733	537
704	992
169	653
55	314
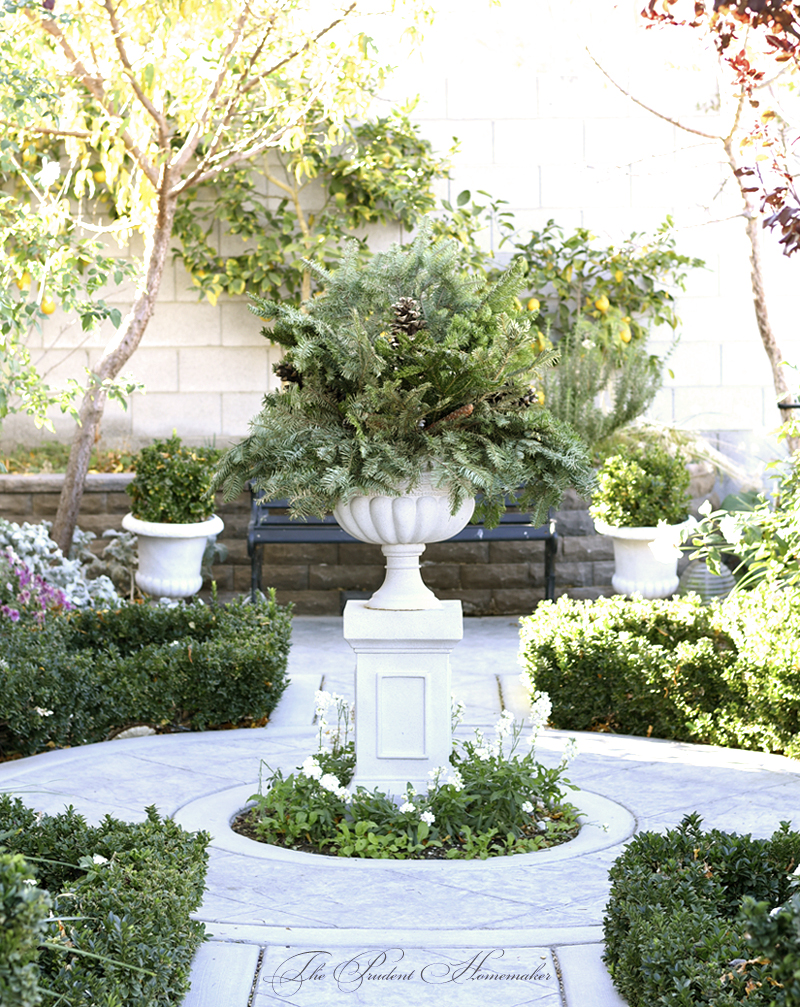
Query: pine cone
457	414
407	318
287	372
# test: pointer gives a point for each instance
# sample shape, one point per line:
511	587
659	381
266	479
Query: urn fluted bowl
402	526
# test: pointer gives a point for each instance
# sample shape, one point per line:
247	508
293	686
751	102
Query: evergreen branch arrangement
402	365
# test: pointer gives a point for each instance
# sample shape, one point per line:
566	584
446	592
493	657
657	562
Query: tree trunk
116	355
783	393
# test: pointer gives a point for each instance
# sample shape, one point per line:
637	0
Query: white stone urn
402	526
645	559
170	555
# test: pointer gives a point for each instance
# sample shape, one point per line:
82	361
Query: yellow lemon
619	276
625	333
48	305
568	273
540	397
99	176
602	304
533	304
23	282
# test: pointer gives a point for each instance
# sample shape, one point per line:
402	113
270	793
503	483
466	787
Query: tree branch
94	84
647	108
157	115
27	128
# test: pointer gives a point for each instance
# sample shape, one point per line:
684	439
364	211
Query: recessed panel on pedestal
401	716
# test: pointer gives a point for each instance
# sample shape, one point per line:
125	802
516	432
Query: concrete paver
540	908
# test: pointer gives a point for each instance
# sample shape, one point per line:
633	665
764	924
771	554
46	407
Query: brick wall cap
100	482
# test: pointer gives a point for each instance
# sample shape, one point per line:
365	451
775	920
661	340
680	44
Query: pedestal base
402	693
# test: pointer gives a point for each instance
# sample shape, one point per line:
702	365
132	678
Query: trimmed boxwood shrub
679	924
23	910
724	674
133	887
82	674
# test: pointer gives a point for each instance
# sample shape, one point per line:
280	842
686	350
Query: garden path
451	928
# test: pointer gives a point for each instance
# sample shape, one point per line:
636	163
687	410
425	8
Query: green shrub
173	483
776	937
673	931
23	910
638	487
724	674
77	677
133	887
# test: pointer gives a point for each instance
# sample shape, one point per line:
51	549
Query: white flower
311	768
570	751
49	173
541	709
43	713
344	794
705	508
329	782
428	817
527	807
99	859
407	808
28	881
541	825
587	344
504	724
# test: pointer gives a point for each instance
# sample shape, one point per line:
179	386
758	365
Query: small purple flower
9	613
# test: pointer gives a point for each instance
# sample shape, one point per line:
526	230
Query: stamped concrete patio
296	929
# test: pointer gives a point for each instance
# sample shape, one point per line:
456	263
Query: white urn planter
644	563
402	526
170	555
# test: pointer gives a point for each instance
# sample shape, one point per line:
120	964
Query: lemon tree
622	289
156	99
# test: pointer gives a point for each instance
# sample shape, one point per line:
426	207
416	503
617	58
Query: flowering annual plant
26	594
489	800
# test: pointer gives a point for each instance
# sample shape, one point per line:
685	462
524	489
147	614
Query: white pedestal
402	693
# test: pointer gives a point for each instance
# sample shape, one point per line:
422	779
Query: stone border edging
52	482
215	812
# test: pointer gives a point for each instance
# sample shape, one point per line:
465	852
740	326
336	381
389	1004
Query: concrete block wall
489	578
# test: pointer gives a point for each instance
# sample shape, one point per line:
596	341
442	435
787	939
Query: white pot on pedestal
402	526
170	555
639	568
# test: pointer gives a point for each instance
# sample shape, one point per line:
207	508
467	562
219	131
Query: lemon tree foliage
382	170
156	99
45	261
404	363
623	289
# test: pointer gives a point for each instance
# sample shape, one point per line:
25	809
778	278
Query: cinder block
457	552
602	572
16	503
473	602
360	554
495	575
598	187
516	602
301	552
474	136
468	97
182	324
288	577
441	575
239	326
194	415
156	368
618	141
574	574
588	547
516	552
574	522
745	363
538	141
45	504
697	362
720	408
223	369
311	602
118	503
238	409
586	593
345	578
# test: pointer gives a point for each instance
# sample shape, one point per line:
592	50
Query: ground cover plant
78	676
97	914
726	674
705	918
490	800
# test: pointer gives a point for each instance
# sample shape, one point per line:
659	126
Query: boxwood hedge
724	674
121	896
83	674
705	918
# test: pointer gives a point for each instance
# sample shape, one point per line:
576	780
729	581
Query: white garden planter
170	555
640	569
402	526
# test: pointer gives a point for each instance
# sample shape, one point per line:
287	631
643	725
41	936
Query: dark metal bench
270	523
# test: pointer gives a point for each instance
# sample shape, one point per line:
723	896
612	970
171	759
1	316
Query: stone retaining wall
490	578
